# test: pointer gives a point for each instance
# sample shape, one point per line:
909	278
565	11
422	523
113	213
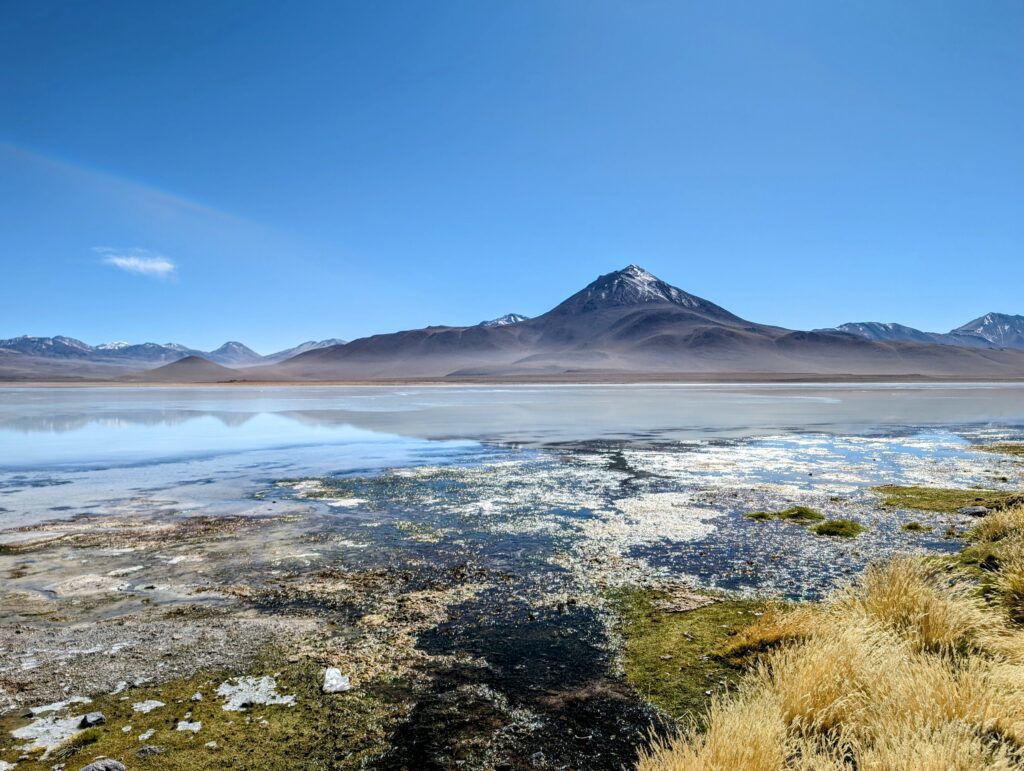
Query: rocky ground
445	663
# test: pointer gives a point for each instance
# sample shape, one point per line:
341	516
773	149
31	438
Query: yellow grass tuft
948	747
763	746
909	670
1001	524
1010	583
777	625
830	679
932	609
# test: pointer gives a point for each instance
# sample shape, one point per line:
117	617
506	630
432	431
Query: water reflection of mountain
542	415
59	423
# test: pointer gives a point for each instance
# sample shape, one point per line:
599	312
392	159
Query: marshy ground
543	608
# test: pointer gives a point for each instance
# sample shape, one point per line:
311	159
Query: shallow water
645	480
97	425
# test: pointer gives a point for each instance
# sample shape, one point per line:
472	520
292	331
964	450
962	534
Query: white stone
335	682
248	691
184	725
46	733
59	705
147	706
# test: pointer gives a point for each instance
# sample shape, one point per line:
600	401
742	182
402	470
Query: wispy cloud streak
139	261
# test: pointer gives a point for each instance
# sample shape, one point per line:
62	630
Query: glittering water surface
602	484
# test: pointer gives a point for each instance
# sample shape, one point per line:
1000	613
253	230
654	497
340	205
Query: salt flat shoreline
754	379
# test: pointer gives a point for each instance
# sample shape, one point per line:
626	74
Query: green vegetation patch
671	658
1003	448
77	743
916	527
799	514
840	528
943	499
321	731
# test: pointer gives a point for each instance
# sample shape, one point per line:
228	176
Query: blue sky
197	171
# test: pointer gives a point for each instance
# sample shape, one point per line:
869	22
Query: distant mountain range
623	324
133	356
993	330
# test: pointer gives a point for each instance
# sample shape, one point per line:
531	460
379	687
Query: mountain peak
54	347
635	286
882	331
635	270
234	345
233	353
1000	329
504	321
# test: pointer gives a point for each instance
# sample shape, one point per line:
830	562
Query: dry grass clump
997	549
999	525
948	747
776	625
910	669
932	609
745	733
1009	583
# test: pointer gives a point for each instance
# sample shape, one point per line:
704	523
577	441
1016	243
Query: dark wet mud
546	696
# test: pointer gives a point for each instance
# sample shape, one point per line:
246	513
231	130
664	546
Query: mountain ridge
625	322
126	354
993	330
631	321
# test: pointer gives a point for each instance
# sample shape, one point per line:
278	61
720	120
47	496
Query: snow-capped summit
55	347
116	345
1000	329
881	331
635	286
993	330
503	321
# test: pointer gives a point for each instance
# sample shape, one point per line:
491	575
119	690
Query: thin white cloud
139	261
